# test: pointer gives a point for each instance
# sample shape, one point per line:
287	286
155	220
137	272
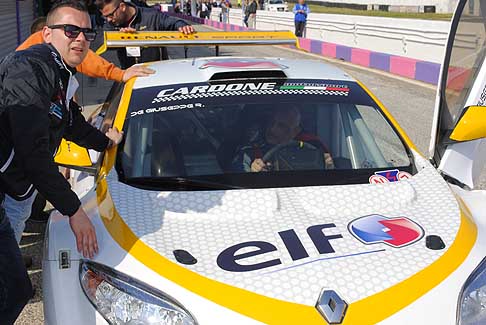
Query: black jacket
34	118
252	8
148	19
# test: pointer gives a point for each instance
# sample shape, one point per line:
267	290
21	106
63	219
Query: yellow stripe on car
370	310
273	311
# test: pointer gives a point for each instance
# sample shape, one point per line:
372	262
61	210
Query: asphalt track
410	102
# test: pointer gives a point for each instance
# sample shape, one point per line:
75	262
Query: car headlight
472	300
121	299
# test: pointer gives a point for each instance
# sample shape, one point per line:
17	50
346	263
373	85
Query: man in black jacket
127	17
36	112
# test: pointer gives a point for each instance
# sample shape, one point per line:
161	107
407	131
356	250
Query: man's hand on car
115	137
128	30
85	233
137	71
188	29
259	165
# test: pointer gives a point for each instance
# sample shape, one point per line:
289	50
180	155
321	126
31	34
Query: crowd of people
249	11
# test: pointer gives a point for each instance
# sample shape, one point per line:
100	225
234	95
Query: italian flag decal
302	87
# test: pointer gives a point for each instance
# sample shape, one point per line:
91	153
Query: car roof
198	70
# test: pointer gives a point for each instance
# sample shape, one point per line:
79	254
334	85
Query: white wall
413	38
441	6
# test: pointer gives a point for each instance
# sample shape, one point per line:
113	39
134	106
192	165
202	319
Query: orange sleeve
95	66
33	39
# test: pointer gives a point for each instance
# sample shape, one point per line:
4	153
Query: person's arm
95	66
295	9
28	86
83	133
33	39
307	10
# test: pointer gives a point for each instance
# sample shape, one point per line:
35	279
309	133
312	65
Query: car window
295	127
467	55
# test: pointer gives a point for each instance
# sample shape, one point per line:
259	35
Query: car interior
194	142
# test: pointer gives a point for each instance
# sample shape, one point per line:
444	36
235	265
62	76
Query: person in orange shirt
94	65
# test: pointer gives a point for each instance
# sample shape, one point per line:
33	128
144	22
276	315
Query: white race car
276	191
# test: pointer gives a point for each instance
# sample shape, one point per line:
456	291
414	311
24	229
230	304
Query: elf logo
395	232
230	260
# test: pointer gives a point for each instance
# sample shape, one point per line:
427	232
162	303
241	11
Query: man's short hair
37	24
102	3
75	4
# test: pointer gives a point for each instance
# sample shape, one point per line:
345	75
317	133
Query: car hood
305	238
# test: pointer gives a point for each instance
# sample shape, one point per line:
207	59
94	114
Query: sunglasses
73	31
111	14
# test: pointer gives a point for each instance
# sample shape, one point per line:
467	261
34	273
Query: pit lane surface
410	102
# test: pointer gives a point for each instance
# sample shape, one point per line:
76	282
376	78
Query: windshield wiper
179	183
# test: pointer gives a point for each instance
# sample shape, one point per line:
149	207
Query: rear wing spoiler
157	39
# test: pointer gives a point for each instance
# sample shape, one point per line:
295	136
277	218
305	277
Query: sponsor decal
248	89
55	110
208	89
305	86
395	232
386	176
378	179
233	260
371	229
151	110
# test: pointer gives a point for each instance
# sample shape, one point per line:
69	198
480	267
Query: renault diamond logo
331	306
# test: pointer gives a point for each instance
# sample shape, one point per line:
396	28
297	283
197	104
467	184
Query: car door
461	98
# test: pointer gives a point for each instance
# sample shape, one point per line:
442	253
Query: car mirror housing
471	126
71	155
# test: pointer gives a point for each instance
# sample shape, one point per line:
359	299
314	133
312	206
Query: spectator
92	12
33	100
252	9
239	3
37	25
203	10
244	13
301	10
177	8
210	7
188	7
225	11
129	18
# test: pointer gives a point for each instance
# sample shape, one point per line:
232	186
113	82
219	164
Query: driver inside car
283	127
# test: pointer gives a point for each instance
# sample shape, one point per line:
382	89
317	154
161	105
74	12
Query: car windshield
276	2
256	134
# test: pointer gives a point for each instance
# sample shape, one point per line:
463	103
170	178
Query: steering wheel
275	151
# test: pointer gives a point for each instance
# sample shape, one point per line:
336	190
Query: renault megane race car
266	190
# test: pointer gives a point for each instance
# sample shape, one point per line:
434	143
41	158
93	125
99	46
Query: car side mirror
71	155
471	126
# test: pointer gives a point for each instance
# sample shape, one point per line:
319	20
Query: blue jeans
15	286
18	212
